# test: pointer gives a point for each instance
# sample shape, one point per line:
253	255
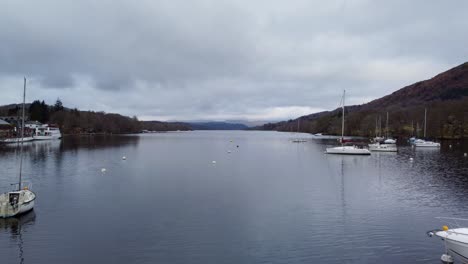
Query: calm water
268	201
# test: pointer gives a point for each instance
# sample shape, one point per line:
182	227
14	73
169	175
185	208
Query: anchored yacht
46	132
455	238
346	150
22	199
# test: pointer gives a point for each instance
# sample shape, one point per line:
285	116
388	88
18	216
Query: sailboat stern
16	203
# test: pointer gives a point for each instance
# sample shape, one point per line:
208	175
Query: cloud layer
212	59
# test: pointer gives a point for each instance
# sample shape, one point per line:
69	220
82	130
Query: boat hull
347	151
47	137
16	140
25	204
383	148
458	249
427	145
455	240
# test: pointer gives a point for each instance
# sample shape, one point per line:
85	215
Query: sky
221	60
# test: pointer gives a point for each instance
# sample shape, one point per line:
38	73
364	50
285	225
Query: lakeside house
10	129
5	129
33	124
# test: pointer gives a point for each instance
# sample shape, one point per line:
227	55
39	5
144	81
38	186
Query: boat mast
425	120
342	121
386	128
380	126
376	126
412	128
22	136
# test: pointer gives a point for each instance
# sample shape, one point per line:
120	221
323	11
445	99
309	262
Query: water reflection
269	201
16	227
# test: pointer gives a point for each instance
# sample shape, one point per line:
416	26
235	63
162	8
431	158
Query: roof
33	122
4	123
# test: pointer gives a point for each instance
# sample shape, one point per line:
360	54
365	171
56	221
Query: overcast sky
223	60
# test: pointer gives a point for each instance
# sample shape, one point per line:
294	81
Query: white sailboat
388	145
346	150
425	143
299	140
455	238
47	132
16	140
21	200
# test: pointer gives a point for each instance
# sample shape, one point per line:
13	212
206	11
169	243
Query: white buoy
411	159
450	146
103	170
446	258
465	154
214	162
229	151
124	158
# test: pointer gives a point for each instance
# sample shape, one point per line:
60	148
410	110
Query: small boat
383	147
455	239
383	144
346	150
16	140
298	140
47	132
427	144
318	134
21	200
16	202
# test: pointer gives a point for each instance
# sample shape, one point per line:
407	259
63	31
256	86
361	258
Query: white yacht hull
456	241
24	204
16	140
346	150
428	145
47	137
458	249
383	147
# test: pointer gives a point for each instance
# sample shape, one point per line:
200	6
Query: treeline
445	119
445	97
74	121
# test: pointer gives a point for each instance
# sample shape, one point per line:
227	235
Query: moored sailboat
384	145
346	150
22	199
426	143
455	237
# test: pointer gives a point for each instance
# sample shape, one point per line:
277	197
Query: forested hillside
74	121
445	96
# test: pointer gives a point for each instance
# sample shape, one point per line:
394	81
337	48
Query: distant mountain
217	126
164	126
445	96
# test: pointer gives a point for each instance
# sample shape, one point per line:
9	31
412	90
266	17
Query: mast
22	137
342	121
386	128
376	126
380	126
412	128
425	120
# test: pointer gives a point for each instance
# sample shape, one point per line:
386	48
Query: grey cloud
189	59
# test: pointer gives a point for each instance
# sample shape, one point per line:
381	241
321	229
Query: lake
265	200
